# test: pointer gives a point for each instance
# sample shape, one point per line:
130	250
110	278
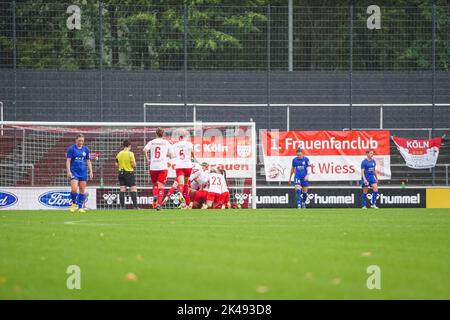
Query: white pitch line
109	221
74	222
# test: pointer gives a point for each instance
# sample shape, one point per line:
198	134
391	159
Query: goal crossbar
124	124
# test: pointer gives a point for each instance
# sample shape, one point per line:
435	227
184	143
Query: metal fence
284	67
80	35
106	59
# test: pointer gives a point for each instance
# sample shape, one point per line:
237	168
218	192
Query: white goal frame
251	125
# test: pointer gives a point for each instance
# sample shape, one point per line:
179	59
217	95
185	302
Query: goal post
32	154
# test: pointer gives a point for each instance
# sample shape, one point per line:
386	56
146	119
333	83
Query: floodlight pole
433	84
268	64
1	116
14	58
100	30
185	60
290	36
350	94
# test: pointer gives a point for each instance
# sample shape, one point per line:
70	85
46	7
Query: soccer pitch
226	254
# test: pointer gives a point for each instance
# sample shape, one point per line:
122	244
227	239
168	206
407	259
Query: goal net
32	160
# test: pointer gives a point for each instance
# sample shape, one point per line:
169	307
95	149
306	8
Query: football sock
134	198
304	197
155	194
155	191
364	199
374	197
160	195
186	193
122	199
180	188
81	198
74	196
171	191
299	196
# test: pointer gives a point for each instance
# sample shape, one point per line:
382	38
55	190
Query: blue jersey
301	167
369	168
78	160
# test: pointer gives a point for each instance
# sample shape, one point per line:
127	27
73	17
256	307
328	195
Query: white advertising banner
41	198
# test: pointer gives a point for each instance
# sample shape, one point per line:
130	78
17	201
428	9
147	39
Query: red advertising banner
334	155
232	154
419	153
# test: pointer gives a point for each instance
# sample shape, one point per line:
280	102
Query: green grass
221	254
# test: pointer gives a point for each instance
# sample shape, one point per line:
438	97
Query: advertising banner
108	198
232	154
333	155
35	198
419	154
438	198
341	198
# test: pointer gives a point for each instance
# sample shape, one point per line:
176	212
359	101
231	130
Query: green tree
227	35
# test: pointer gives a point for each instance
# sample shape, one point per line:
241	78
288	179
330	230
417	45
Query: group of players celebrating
196	185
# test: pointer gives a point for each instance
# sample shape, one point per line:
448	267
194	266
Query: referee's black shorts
127	178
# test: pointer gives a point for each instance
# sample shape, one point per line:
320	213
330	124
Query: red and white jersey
225	185
183	150
196	168
204	180
200	180
158	151
217	183
196	172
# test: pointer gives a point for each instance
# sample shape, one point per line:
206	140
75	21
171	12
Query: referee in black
126	162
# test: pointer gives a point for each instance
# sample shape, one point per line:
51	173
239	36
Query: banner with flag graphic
419	153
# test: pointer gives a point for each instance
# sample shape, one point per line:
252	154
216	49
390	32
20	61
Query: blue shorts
300	181
370	180
79	177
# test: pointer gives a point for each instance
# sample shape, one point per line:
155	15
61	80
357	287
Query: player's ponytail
160	132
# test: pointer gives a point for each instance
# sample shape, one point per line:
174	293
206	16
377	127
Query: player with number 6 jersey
157	152
184	154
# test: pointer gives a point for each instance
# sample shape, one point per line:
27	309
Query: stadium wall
119	95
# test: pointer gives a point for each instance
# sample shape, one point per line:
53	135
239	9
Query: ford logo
7	199
56	199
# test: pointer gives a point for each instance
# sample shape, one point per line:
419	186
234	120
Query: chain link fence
297	68
105	59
